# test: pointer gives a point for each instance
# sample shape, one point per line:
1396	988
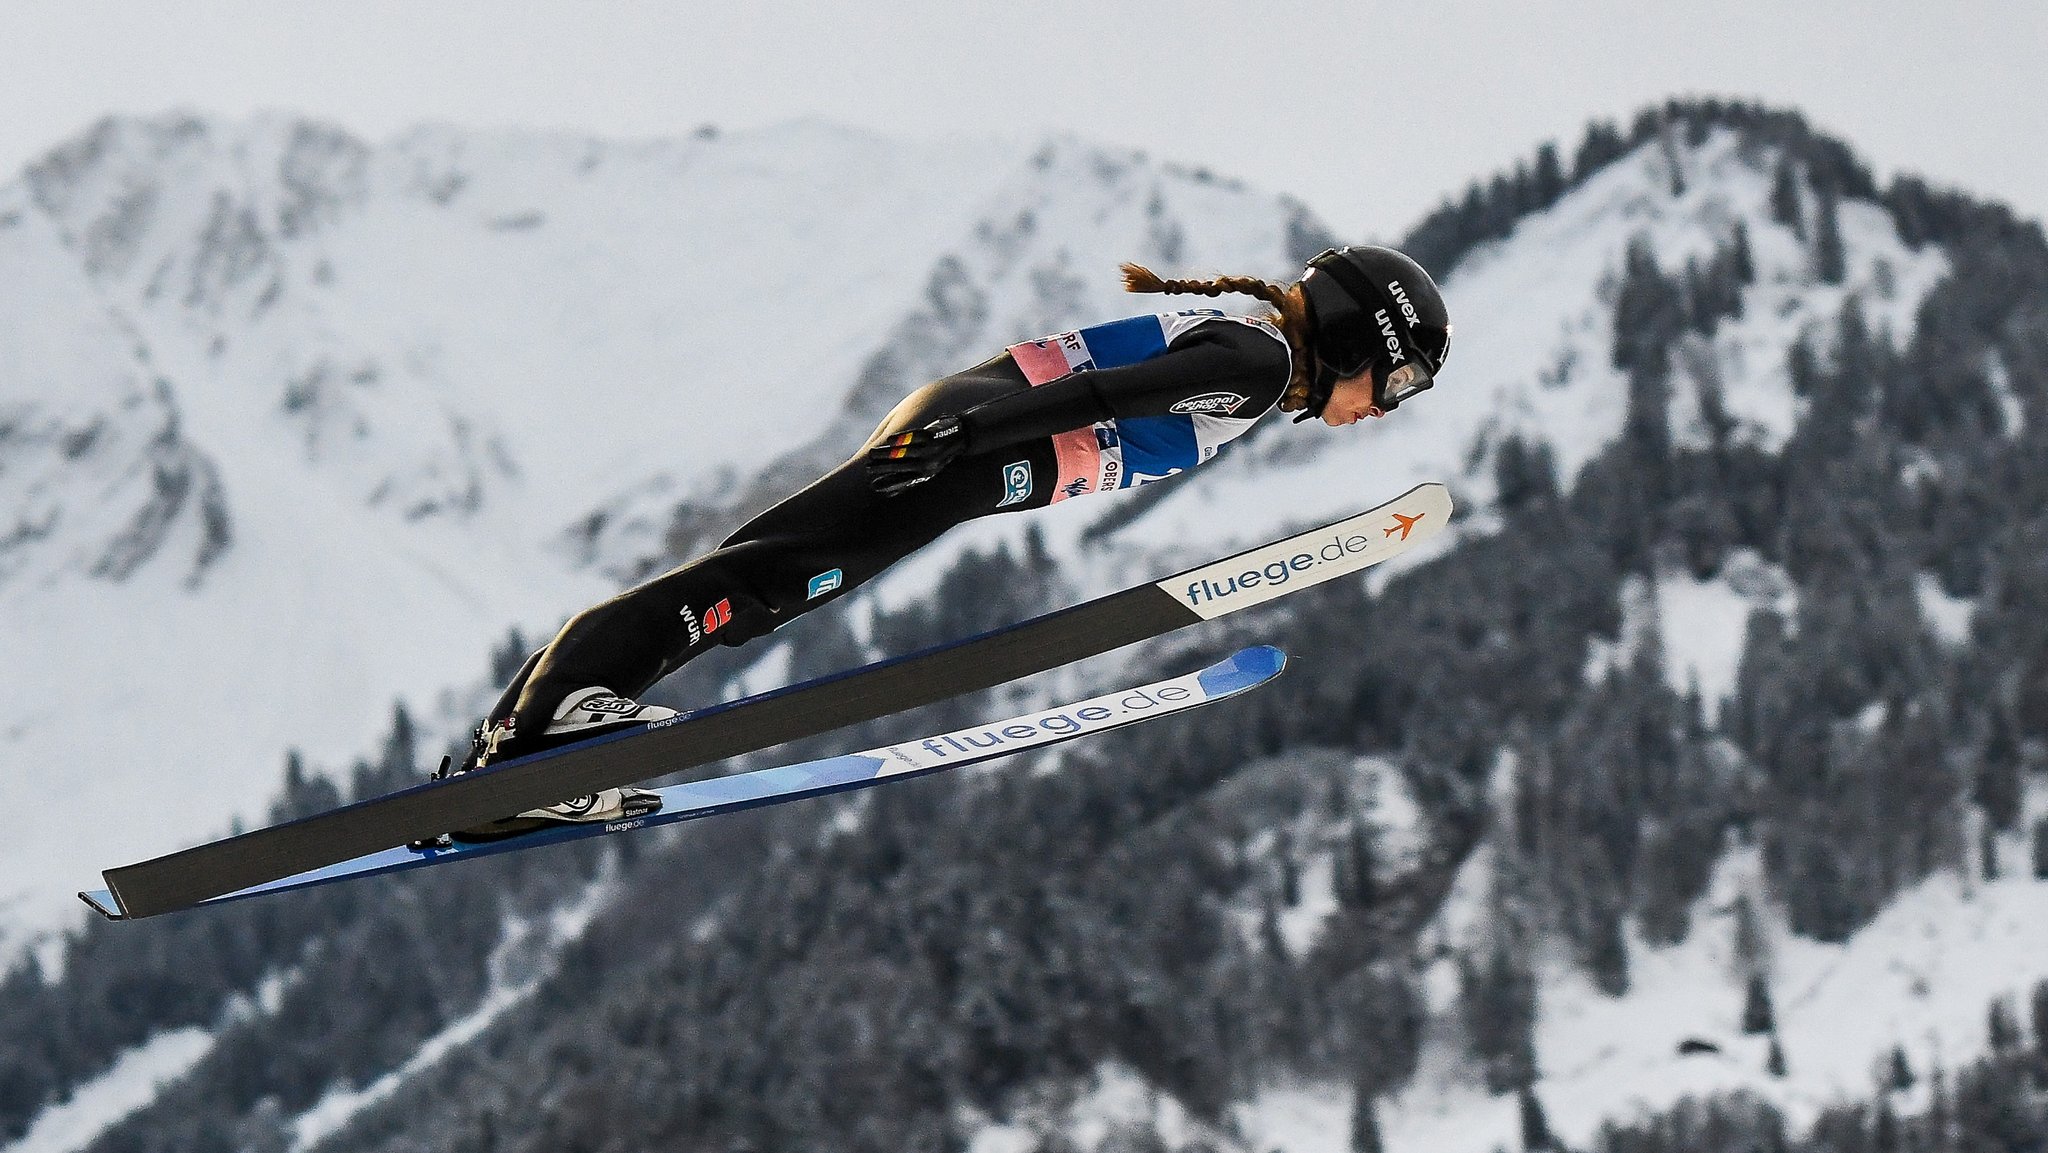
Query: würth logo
714	617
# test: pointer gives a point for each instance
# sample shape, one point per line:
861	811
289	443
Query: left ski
1241	671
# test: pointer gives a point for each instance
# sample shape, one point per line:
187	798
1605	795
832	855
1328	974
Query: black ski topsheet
1240	672
700	737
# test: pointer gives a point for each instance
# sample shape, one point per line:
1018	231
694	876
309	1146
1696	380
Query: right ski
190	876
1240	672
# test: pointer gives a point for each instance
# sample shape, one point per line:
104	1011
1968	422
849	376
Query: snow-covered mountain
293	425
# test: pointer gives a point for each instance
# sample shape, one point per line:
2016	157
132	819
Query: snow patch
1116	1099
521	963
132	1082
1948	617
2010	406
1700	624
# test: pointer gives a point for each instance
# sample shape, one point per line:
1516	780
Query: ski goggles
1390	389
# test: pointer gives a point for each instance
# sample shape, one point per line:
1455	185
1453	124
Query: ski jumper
1101	408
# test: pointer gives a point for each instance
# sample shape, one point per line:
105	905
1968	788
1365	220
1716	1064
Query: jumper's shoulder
1241	352
1250	336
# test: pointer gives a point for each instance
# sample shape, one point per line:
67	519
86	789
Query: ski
1240	672
715	733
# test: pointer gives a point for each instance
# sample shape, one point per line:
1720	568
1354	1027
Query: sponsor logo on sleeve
1209	402
1016	483
710	622
825	582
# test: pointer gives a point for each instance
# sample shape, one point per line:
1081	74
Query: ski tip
103	902
1244	669
1265	661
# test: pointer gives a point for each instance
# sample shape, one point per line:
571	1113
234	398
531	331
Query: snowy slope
394	386
1918	978
96	472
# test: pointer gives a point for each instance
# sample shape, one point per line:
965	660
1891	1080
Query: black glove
911	458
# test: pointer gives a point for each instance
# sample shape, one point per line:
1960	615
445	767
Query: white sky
1371	112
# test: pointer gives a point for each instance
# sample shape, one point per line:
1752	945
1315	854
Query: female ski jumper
1108	407
1101	408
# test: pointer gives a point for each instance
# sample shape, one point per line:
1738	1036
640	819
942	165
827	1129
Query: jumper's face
1351	400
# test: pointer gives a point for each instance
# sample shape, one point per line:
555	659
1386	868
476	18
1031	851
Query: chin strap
1319	390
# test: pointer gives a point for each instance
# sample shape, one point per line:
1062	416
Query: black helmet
1372	307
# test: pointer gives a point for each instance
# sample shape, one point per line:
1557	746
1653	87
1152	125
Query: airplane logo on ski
1405	524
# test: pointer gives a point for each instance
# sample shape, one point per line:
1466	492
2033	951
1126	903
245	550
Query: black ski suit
838	533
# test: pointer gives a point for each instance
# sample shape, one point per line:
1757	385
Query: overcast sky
1371	112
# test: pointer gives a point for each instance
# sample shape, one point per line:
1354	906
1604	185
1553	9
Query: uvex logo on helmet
1401	298
1393	338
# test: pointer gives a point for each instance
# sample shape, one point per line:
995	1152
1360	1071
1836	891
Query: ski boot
583	714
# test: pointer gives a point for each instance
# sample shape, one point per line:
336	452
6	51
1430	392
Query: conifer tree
1742	262
1290	870
2001	1030
1549	182
1899	1077
1752	947
1885	1136
2038	1012
1271	939
1774	1061
1830	261
1536	1135
1785	198
1357	884
1757	1015
1998	774
1365	1120
1499	1007
1649	311
1603	145
1607	950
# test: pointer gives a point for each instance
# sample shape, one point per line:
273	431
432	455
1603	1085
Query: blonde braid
1290	315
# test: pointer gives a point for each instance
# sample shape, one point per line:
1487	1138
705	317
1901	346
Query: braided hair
1290	316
